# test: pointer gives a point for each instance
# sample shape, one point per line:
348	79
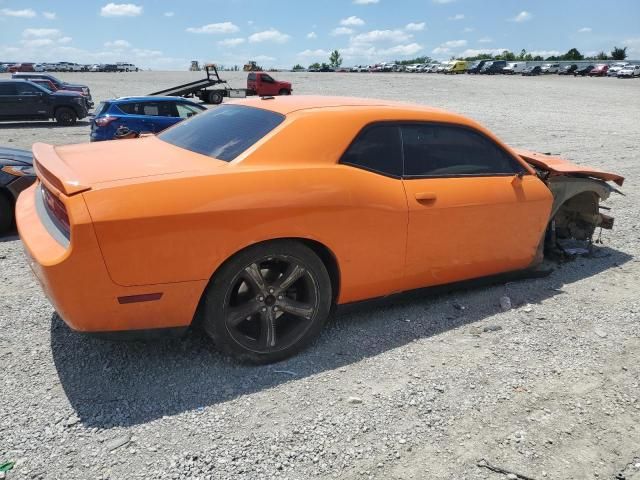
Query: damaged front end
577	192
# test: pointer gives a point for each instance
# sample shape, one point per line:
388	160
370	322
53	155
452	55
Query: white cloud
231	42
341	31
633	46
144	53
213	28
365	2
394	36
169	14
352	21
415	27
442	2
485	40
585	30
440	50
312	35
468	30
264	58
454	44
545	53
271	35
314	53
458	16
49	15
121	10
117	44
65	40
41	32
523	16
402	50
38	42
474	52
26	13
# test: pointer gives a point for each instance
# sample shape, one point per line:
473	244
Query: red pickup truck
263	84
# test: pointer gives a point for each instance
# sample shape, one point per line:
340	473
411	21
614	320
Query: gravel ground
423	387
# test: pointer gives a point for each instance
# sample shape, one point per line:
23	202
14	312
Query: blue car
140	115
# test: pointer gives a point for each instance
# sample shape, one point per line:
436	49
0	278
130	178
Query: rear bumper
76	281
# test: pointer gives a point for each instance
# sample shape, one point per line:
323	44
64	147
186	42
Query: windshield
223	132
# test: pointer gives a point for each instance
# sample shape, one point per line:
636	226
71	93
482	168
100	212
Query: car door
8	100
32	101
474	209
373	171
167	116
267	85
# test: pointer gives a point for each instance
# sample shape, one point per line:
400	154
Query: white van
514	67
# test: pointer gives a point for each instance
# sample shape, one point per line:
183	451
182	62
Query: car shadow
10	236
41	124
128	383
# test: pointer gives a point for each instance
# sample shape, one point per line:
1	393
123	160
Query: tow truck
212	89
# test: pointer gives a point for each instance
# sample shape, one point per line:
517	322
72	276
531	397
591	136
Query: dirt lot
422	389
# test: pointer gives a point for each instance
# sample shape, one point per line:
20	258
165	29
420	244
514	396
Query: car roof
291	103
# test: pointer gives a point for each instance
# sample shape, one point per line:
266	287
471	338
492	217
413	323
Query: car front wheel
268	302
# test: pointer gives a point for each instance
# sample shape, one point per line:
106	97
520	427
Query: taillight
57	210
104	121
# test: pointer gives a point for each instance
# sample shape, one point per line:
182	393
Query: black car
583	71
59	84
493	68
24	100
109	67
16	174
568	70
475	67
532	71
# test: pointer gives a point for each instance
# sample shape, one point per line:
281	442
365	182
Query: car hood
560	166
15	156
76	168
66	93
73	85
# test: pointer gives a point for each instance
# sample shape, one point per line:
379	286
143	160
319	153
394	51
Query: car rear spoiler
560	166
51	168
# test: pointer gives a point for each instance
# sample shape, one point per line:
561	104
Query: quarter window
377	148
435	150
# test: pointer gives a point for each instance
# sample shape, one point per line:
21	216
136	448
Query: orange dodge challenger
257	216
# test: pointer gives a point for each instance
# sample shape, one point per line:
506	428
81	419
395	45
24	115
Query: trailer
201	88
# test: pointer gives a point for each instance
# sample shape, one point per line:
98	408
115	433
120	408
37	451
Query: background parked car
568	69
21	67
550	68
583	71
110	67
599	70
60	85
629	71
24	100
615	68
513	68
532	71
126	67
476	67
455	67
493	68
16	174
140	114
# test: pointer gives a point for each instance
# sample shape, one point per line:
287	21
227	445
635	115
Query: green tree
538	58
314	66
573	54
602	56
335	59
297	66
523	54
619	53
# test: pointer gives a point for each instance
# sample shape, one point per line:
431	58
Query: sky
167	35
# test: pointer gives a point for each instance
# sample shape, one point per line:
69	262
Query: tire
214	97
6	213
267	302
284	91
66	116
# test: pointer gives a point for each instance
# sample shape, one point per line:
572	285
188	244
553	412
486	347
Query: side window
252	77
186	111
150	109
441	150
130	108
26	89
266	78
7	89
377	148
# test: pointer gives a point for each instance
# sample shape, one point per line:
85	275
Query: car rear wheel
66	116
268	302
6	213
215	98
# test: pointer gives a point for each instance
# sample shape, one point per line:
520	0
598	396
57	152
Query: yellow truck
456	66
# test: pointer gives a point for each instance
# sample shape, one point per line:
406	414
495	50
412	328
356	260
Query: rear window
223	132
103	107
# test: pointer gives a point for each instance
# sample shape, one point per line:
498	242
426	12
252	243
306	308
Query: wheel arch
326	255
